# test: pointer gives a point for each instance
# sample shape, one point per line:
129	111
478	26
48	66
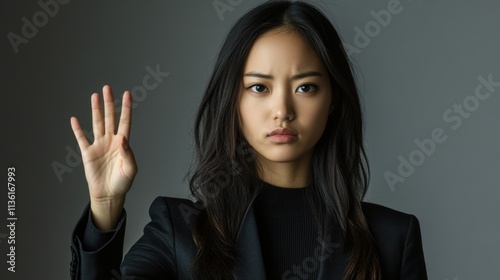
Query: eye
258	88
307	88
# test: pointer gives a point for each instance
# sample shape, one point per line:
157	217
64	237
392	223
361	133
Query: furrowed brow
258	75
294	77
306	74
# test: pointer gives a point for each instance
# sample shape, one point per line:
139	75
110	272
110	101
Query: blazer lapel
252	264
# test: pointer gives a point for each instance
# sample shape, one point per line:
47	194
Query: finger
109	110
97	122
83	143
126	115
130	165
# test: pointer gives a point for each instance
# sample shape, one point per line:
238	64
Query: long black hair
224	173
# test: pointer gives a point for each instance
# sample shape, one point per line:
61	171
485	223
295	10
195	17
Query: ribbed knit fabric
287	232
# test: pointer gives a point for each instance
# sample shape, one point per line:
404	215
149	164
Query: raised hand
109	163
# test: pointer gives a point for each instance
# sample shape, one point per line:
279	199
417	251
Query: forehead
282	50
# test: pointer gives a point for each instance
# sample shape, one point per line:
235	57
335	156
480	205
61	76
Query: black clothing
166	249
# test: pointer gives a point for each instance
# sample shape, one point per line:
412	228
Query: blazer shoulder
398	240
162	204
390	228
166	247
174	209
380	215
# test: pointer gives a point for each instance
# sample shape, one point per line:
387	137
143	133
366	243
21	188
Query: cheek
250	115
315	117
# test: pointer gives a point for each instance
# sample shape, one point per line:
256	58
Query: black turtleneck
287	232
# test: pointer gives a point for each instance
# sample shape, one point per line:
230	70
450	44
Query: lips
283	131
282	136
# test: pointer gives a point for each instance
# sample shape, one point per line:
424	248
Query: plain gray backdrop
419	75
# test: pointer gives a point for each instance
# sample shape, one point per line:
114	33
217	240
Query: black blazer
166	250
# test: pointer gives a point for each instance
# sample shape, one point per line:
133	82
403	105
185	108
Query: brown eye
258	88
307	88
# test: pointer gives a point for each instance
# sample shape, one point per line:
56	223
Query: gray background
414	69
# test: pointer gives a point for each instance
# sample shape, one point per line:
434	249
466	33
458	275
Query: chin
282	155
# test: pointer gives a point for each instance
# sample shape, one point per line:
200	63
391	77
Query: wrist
105	214
108	203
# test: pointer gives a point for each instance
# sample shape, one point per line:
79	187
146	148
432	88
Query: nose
282	105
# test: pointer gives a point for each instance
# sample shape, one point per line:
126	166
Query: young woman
278	179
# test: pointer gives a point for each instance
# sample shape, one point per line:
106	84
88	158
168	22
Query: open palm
109	163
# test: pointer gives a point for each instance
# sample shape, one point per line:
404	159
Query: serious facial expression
285	97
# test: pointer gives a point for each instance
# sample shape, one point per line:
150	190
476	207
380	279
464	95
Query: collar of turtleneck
283	202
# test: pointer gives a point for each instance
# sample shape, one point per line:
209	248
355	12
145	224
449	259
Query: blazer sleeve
96	254
413	263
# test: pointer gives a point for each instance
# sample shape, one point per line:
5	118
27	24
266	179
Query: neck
294	174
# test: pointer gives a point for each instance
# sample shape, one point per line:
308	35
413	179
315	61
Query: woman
279	175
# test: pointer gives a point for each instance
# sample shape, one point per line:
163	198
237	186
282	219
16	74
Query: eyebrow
294	77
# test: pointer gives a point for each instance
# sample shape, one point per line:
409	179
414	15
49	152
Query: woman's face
285	86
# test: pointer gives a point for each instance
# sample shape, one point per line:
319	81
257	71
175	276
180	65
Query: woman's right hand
109	163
